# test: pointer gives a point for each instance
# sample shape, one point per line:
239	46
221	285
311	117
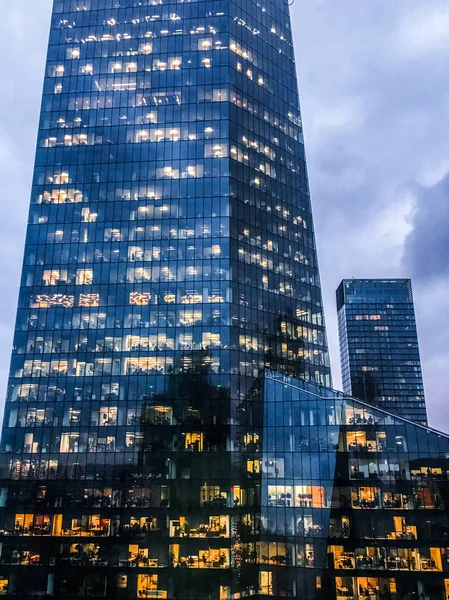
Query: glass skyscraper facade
379	350
354	500
319	496
169	260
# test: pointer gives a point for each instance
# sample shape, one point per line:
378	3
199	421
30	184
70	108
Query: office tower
379	345
169	260
354	499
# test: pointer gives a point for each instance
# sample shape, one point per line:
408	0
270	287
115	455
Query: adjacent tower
170	258
379	345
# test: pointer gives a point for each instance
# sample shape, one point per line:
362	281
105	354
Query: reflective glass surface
353	500
169	259
379	345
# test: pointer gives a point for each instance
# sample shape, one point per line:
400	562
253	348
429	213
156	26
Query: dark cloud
375	95
426	248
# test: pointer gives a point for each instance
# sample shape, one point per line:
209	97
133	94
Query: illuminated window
54	276
204	43
194	442
146	48
158	415
89	300
60	178
69	442
175	63
84	276
140	298
87	216
215	150
47	300
191	298
210	340
266	583
147	587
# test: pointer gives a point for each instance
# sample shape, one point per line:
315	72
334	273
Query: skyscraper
170	258
379	345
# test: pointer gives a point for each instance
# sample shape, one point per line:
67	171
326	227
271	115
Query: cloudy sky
374	86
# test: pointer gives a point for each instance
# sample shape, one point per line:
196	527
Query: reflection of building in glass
379	345
354	500
170	258
308	494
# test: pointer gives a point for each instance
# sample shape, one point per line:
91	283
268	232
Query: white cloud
390	59
424	30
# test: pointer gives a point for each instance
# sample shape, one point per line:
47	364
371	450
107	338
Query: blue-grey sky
374	88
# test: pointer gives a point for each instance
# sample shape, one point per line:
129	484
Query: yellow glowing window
251	438
84	276
147	587
194	442
89	299
47	300
60	178
53	277
309	496
266	583
140	298
253	466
